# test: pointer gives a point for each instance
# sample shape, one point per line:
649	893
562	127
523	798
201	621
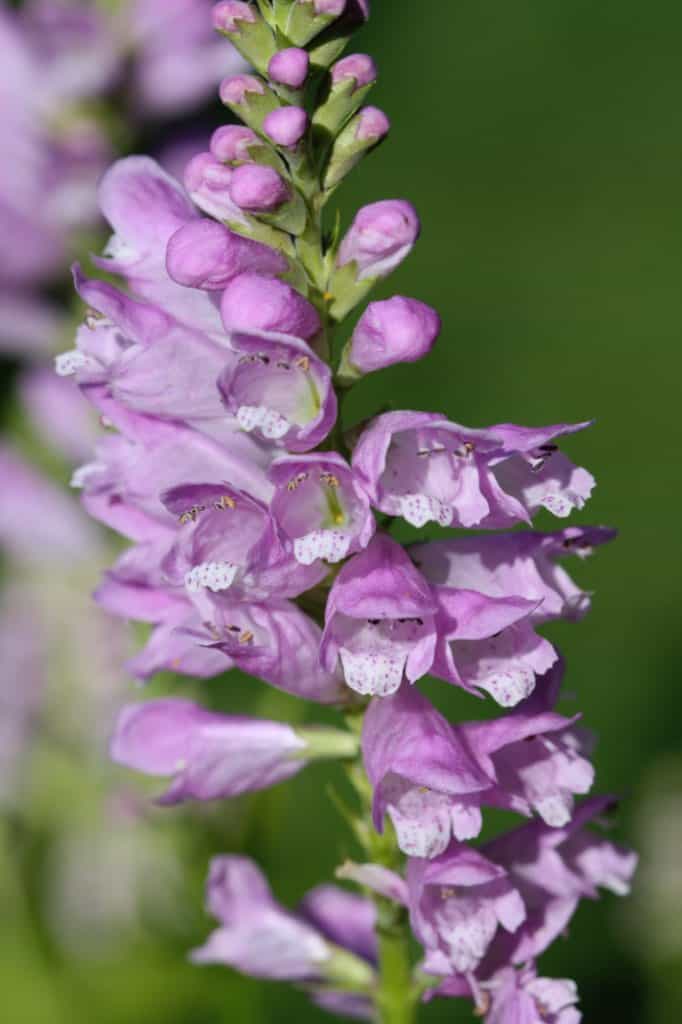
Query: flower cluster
260	528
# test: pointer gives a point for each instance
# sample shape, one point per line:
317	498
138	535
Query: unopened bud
397	330
286	126
252	302
205	254
249	98
289	67
307	18
362	133
231	143
351	80
258	189
237	144
378	240
208	183
380	237
246	30
358	68
324	52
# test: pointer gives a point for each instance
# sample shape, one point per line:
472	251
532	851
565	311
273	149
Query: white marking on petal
468	927
561	505
68	363
421	817
332	545
419	509
509	685
555	809
213	576
375	674
269	422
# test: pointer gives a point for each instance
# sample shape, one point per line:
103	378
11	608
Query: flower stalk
262	540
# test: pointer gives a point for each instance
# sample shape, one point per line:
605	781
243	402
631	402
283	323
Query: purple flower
228	540
145	207
251	302
457	902
535	755
274	641
289	67
521	996
380	237
208	756
257	936
489	643
319	507
553	869
348	921
142	359
424	468
397	330
205	254
523	564
123	486
343	917
280	389
379	620
422	773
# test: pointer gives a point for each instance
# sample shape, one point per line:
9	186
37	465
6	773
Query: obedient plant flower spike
259	541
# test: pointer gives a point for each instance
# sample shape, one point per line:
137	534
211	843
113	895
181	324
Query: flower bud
307	18
237	144
254	303
208	183
209	756
358	67
286	126
362	133
397	330
351	80
249	98
380	237
231	143
332	45
289	67
205	254
246	29
258	189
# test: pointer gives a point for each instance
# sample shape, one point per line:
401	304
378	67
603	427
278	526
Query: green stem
394	998
396	995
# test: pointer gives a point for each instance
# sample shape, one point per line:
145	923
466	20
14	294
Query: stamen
297	481
224	502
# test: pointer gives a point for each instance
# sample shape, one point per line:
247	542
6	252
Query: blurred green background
541	143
